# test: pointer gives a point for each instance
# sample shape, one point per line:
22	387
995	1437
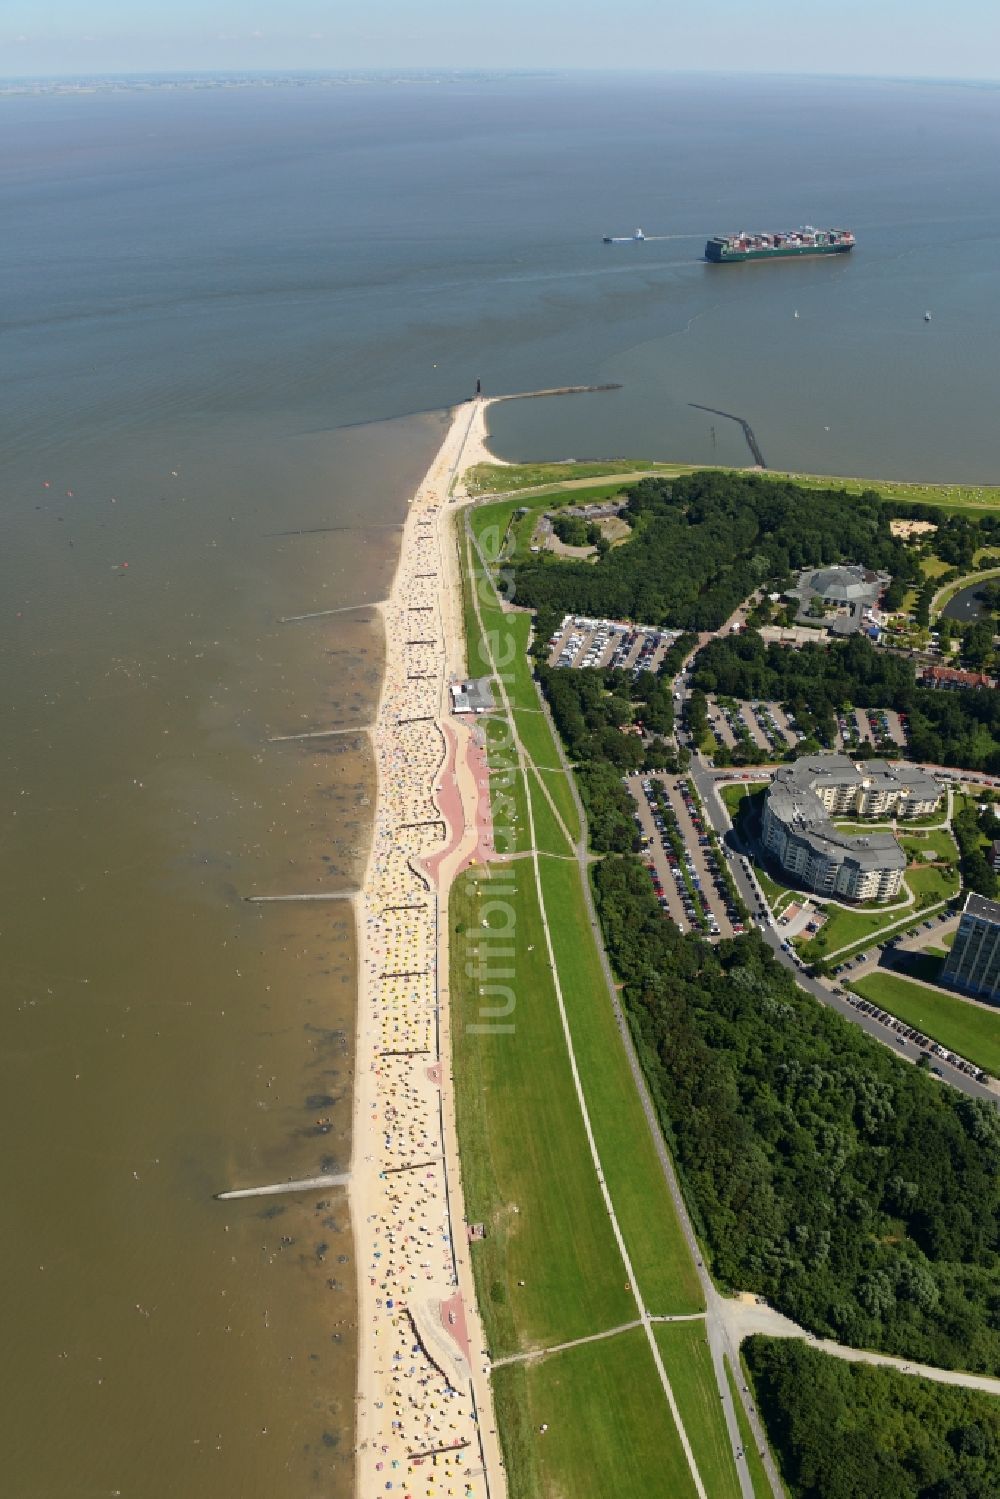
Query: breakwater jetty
274	1189
752	443
557	390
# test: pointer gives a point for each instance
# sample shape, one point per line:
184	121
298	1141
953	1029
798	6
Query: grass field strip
644	1316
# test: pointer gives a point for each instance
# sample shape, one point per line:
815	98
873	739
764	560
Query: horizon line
472	70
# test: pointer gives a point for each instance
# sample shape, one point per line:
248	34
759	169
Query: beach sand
425	1423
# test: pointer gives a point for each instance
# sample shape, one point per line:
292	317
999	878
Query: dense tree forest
591	709
702	543
970	828
574	531
945	728
857	1193
843	1430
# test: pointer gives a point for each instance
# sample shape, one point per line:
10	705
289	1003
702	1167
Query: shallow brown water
164	1039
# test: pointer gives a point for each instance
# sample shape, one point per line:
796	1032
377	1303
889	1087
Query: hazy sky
895	37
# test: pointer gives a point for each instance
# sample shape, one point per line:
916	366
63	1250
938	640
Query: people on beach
417	1424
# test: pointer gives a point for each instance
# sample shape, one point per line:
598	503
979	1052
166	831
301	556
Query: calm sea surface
223	314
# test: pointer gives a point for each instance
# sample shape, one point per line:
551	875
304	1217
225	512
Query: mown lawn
489	478
536	736
549	837
500	752
939	841
506	634
559	789
498	478
659	1254
845	928
526	1164
476	657
896	925
609	1428
960	1026
932	884
737	798
688	1363
510	811
950	497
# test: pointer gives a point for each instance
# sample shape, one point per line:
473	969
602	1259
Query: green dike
507	636
486	478
536	736
500	478
610	1432
526	1164
500	753
758	1477
509	804
476	656
969	1030
549	837
559	789
517	676
632	1170
688	1362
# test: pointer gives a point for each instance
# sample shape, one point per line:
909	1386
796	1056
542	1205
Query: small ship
723	248
635	238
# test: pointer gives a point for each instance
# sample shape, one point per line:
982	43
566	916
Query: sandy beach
425	1423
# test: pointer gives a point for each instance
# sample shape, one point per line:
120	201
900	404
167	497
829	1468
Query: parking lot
581	642
881	727
763	725
678	853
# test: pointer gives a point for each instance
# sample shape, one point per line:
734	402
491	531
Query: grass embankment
503	478
549	1269
609	1428
489	478
536	736
962	1027
559	789
549	836
948	497
688	1362
508	803
635	1179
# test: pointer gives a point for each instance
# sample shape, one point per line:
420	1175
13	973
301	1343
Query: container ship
807	241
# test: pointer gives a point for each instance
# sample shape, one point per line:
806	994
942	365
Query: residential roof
982	909
793	801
